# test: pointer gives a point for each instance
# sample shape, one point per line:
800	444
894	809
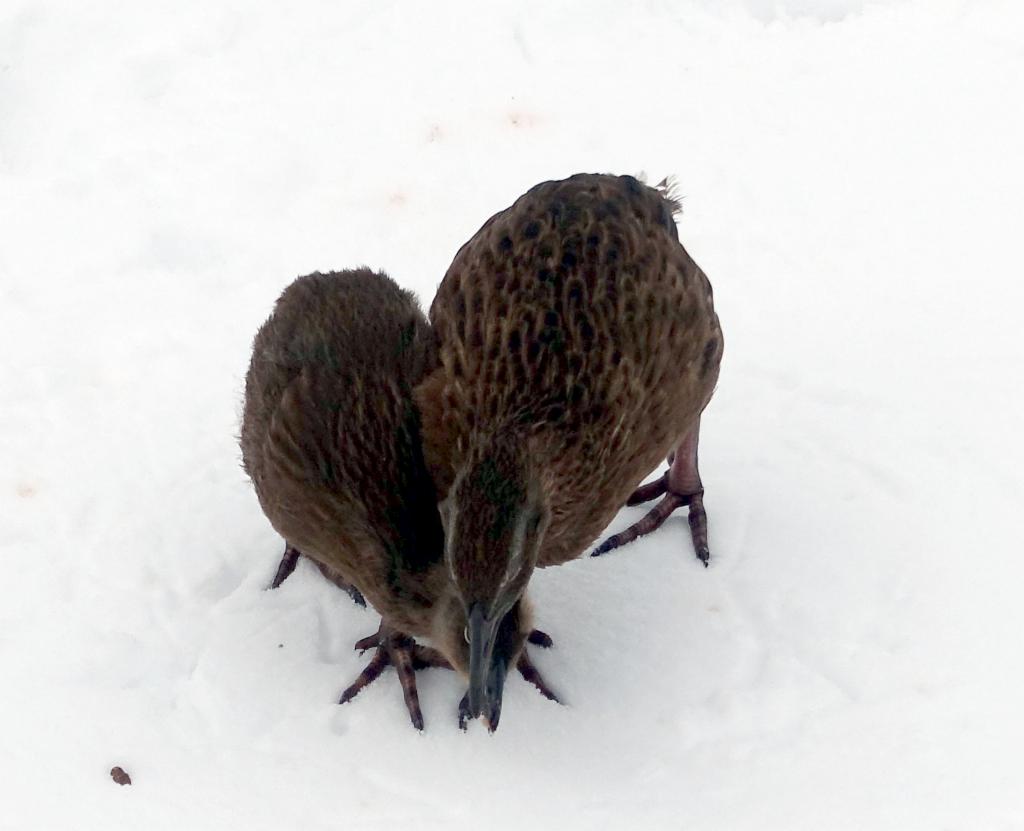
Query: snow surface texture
852	177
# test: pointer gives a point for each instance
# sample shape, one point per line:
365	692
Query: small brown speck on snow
522	119
118	774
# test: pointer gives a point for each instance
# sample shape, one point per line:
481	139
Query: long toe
371	673
531	674
655	517
402	660
652	490
369	642
699	528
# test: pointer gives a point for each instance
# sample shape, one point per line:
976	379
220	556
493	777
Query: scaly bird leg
291	558
681	486
394	648
652	490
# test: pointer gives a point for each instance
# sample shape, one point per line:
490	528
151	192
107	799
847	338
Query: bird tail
669	190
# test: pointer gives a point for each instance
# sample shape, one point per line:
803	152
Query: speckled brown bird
330	438
578	344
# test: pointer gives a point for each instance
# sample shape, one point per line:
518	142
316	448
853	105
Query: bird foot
394	648
527	670
290	559
678	486
657	515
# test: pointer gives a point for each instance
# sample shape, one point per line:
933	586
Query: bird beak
486	669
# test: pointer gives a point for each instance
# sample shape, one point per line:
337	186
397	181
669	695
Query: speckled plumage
330	436
331	440
574	327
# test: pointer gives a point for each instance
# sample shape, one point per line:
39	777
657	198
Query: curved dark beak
486	668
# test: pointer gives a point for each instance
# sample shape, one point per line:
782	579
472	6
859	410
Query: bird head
495	517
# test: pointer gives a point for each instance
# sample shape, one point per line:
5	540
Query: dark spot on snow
118	774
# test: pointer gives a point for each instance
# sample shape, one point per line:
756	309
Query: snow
852	177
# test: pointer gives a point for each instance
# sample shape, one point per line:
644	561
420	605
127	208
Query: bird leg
394	648
291	558
681	485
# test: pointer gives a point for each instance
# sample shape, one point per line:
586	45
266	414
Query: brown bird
331	440
578	344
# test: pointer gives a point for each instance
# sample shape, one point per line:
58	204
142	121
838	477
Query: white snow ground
853	176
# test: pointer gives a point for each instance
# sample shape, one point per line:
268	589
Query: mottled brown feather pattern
576	320
330	438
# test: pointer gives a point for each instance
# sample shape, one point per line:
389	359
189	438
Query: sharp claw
370	674
531	674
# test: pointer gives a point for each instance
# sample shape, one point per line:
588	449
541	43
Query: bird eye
465	633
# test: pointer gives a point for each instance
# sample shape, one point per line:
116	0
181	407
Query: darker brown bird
578	344
331	439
